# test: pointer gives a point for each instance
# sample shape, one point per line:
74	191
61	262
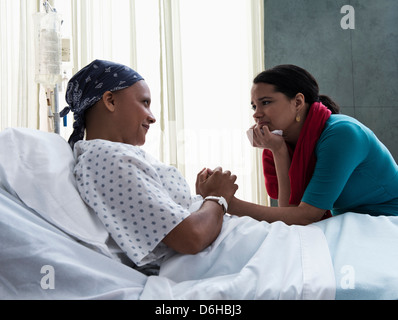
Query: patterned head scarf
87	87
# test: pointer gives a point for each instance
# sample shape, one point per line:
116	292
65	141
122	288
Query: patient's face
134	115
271	108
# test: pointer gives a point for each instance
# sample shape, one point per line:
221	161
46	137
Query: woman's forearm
282	166
303	214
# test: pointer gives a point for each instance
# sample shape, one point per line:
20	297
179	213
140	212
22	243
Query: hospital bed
53	247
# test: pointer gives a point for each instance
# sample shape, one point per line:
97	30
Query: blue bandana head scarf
87	87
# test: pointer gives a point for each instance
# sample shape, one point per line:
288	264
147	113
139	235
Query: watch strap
220	200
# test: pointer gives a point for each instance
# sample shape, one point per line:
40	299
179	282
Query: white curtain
198	57
222	51
18	90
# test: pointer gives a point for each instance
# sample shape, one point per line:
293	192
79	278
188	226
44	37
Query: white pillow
37	167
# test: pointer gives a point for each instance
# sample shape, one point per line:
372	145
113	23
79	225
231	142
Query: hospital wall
358	67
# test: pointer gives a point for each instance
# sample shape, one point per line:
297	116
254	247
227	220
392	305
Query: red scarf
303	157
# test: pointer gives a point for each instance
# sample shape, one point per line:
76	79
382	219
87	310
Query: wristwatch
220	200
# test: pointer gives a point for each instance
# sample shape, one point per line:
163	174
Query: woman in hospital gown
145	205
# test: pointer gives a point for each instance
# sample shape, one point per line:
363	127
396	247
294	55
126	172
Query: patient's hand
216	183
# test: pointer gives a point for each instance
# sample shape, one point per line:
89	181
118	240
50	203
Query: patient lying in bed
140	210
137	198
44	222
145	205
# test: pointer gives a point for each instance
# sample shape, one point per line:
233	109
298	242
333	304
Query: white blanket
44	224
39	261
250	260
364	252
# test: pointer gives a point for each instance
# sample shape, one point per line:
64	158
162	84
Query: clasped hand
216	183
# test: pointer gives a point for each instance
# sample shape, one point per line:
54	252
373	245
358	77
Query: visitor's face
271	108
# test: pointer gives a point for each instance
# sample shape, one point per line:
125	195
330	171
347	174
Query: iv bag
48	47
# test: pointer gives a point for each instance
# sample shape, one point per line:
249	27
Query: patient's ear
109	101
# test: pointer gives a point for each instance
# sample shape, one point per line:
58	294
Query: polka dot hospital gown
138	199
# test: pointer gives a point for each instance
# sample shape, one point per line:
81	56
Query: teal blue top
354	171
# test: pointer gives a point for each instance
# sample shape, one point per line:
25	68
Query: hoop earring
298	118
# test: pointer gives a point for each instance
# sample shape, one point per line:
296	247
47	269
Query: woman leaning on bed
322	161
145	205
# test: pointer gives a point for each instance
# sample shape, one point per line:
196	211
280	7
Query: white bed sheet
28	243
352	256
250	260
253	260
364	252
273	264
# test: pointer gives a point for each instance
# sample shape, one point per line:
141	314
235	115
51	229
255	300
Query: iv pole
48	59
